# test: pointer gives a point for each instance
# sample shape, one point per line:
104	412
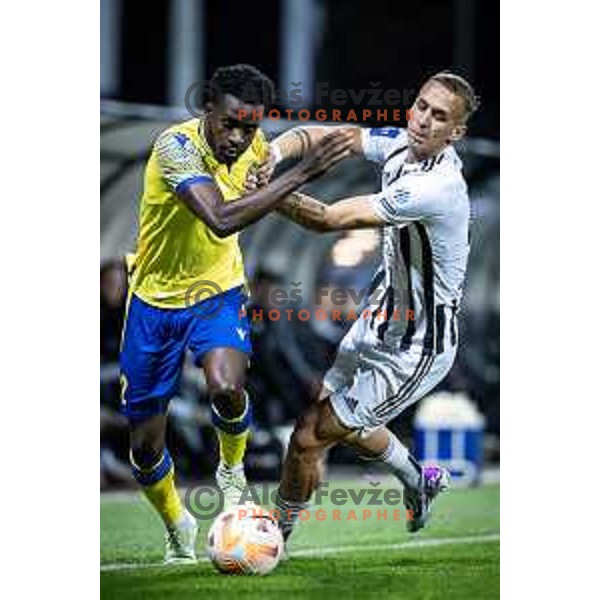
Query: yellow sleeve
180	161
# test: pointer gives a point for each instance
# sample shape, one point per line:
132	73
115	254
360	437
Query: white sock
398	460
288	514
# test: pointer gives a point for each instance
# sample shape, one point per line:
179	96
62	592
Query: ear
457	133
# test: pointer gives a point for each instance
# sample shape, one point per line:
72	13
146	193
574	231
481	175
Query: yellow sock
232	447
165	499
233	435
158	485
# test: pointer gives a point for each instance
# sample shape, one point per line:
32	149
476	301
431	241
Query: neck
205	130
411	156
207	133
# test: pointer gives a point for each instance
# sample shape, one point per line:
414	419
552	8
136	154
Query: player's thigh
341	373
383	384
225	369
432	374
318	428
151	360
223	328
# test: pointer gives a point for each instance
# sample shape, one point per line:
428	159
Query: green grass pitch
456	557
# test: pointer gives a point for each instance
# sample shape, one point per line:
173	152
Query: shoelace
173	538
236	480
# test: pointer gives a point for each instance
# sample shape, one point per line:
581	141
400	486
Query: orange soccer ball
245	541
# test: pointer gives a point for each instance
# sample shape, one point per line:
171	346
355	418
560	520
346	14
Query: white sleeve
413	201
379	142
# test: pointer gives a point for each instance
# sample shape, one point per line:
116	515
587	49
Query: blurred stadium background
151	53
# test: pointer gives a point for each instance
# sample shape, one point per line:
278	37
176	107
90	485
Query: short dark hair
244	82
459	86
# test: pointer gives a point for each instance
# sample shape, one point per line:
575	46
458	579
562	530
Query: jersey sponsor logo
401	196
398	198
351	403
390	132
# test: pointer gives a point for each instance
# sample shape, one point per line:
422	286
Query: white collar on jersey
427	164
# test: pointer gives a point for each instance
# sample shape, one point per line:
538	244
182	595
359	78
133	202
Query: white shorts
372	386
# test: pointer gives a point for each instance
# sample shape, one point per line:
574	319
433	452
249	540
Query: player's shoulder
440	184
380	143
189	127
445	173
385	132
446	186
179	141
389	136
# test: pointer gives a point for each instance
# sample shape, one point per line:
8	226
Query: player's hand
265	170
332	148
251	183
260	175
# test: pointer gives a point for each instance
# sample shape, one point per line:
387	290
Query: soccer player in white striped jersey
384	365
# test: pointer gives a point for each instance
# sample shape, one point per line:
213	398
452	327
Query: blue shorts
155	340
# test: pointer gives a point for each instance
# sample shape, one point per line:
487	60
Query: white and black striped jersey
425	246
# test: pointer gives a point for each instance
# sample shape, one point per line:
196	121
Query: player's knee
304	439
229	399
145	454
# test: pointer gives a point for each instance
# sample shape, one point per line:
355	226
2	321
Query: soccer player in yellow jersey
191	210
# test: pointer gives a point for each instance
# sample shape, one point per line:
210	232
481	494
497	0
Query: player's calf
153	469
421	484
317	430
383	446
231	417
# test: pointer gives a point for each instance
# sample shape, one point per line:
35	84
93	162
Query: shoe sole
180	561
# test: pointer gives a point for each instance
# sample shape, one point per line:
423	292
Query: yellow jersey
176	250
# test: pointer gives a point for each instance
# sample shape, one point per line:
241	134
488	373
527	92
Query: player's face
437	119
229	136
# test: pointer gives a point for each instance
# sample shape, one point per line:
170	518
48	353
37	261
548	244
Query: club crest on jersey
181	138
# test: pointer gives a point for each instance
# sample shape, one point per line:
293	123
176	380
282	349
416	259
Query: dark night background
395	43
153	52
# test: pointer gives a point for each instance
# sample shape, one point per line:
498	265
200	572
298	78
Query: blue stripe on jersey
191	181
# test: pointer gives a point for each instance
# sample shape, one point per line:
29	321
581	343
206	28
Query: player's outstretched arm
296	142
397	205
225	218
351	213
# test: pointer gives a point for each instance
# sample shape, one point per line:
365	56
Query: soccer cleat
435	480
232	482
180	541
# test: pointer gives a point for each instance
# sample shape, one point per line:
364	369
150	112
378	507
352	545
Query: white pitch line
326	550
